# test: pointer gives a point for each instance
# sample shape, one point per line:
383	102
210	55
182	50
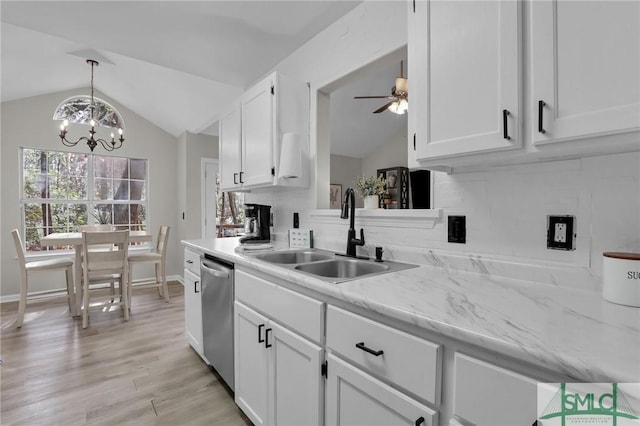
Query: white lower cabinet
356	398
277	370
192	301
489	395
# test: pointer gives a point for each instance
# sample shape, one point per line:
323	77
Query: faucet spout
349	211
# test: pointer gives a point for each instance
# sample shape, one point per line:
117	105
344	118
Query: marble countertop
564	329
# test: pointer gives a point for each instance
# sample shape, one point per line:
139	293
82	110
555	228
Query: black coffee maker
257	218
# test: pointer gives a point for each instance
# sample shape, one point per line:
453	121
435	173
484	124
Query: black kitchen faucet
352	241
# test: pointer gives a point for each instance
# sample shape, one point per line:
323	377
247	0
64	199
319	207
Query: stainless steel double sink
329	266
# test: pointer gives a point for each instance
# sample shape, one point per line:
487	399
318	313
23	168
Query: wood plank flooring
140	372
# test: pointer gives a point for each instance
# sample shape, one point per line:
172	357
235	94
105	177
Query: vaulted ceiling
175	63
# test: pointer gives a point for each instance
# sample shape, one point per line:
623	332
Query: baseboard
62	292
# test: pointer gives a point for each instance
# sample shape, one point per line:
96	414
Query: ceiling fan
398	103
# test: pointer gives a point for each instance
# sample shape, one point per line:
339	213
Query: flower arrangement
369	185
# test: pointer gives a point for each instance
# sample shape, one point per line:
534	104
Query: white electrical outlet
560	233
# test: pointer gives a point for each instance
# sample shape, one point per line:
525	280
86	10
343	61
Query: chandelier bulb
65	123
93	123
120	131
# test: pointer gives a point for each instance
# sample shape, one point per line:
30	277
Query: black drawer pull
235	178
266	334
505	128
420	421
195	287
541	106
260	339
366	349
241	173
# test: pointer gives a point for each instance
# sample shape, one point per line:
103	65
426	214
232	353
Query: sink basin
290	257
343	268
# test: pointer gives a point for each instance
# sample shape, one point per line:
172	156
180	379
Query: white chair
101	228
96	264
157	257
65	264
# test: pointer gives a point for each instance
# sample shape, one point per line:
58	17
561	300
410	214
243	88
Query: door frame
208	203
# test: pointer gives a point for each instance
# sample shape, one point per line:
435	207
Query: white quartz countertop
568	330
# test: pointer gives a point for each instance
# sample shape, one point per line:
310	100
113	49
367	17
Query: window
62	190
230	212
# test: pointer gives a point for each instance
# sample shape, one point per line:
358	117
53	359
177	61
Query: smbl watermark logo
592	404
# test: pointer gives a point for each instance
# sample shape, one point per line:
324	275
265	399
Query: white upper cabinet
251	135
585	69
258	133
464	71
230	140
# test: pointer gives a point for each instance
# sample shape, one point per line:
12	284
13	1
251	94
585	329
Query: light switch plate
300	238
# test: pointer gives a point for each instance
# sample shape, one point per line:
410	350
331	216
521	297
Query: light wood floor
140	372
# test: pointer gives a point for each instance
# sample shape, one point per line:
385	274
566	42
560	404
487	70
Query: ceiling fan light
394	107
402	85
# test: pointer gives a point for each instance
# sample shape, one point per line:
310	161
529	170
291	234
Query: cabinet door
489	395
258	105
355	398
193	310
586	63
295	385
250	363
230	141
465	75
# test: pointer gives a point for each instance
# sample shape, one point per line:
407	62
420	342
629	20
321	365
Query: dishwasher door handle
215	272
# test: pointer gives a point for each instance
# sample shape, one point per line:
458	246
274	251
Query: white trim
203	193
396	218
62	292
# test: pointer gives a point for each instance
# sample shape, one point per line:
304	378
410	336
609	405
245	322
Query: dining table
75	239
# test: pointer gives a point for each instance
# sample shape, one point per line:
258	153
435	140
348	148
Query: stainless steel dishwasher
217	315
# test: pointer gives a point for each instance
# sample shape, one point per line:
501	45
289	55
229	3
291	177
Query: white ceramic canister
621	278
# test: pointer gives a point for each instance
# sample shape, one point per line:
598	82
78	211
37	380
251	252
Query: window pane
103	189
120	168
103	214
33	184
77	216
137	215
121	214
138	169
102	166
137	190
33	214
77	188
121	188
31	160
32	239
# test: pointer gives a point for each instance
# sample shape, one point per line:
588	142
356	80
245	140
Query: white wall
391	154
27	123
344	171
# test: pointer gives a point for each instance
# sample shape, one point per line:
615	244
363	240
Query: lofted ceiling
175	63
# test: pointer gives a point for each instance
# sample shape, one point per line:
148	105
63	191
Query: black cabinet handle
267	344
366	349
260	339
505	129
235	178
195	287
420	421
541	106
241	173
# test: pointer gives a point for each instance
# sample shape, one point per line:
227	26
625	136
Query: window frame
90	201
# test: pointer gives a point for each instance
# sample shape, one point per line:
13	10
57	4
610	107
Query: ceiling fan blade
373	97
382	108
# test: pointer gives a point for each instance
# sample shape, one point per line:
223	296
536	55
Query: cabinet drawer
293	310
407	361
192	261
489	395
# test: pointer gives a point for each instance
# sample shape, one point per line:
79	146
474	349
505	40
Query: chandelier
92	111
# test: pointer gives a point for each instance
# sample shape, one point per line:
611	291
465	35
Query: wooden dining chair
96	264
101	228
158	258
65	264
